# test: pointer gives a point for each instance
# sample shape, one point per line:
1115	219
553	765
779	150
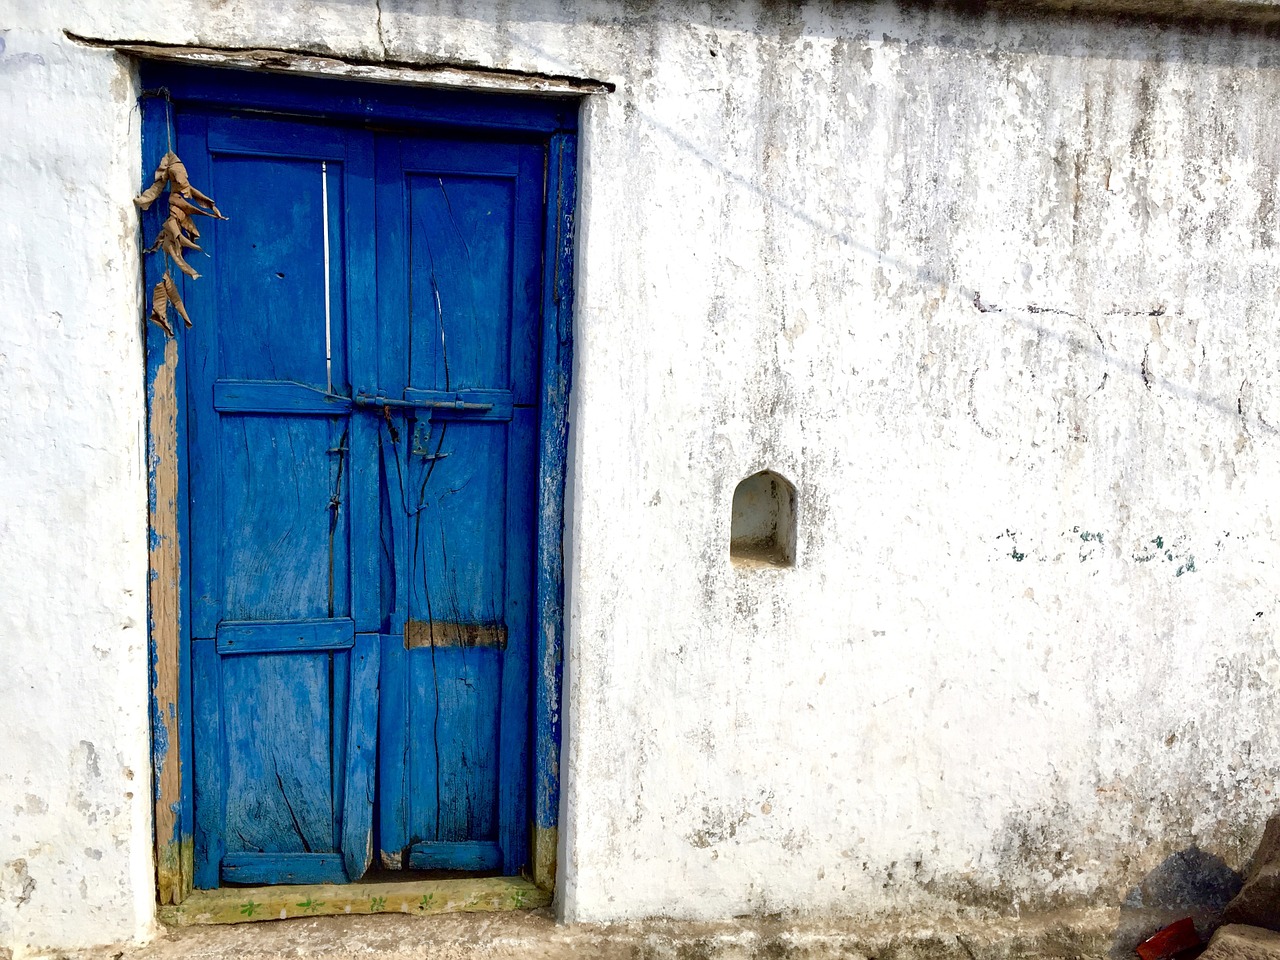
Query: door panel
270	271
460	240
457	530
282	684
457	633
280	775
460	223
454	698
285	534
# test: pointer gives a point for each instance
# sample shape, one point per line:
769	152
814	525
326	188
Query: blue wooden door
362	395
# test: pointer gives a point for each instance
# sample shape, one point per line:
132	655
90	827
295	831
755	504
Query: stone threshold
419	898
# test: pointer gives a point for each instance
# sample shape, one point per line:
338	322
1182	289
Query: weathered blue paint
272	548
248	396
283	868
340	687
393	757
557	365
344	511
208	780
464	855
285	636
462	221
339	100
361	754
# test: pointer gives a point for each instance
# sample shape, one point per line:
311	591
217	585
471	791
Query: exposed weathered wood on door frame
173	850
167	623
550	120
315	63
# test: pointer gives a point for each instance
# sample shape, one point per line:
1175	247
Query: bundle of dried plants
177	233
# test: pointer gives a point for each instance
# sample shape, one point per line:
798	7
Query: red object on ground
1173	939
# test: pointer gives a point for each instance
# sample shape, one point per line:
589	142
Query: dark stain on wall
1189	883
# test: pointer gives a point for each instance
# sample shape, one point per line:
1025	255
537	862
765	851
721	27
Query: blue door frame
550	123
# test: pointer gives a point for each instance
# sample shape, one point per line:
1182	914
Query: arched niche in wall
762	532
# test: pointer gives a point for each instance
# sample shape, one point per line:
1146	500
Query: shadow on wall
1189	883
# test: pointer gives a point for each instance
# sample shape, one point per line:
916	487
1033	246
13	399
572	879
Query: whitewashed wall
75	862
998	294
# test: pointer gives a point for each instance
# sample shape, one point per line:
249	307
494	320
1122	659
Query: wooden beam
388	71
421	898
557	365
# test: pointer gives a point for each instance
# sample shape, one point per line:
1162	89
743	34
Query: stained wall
996	291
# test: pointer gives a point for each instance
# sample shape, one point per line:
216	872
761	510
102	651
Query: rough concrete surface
998	292
1257	903
535	936
1239	942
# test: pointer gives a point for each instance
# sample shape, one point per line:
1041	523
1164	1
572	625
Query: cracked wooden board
419	898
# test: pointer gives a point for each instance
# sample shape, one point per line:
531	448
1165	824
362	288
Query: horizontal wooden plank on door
285	636
463	855
336	99
283	868
274	137
454	633
266	396
467	158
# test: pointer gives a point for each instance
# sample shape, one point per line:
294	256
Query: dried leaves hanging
177	233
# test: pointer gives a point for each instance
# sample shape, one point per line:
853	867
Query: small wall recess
762	531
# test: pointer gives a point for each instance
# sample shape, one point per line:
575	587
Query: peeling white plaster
999	295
